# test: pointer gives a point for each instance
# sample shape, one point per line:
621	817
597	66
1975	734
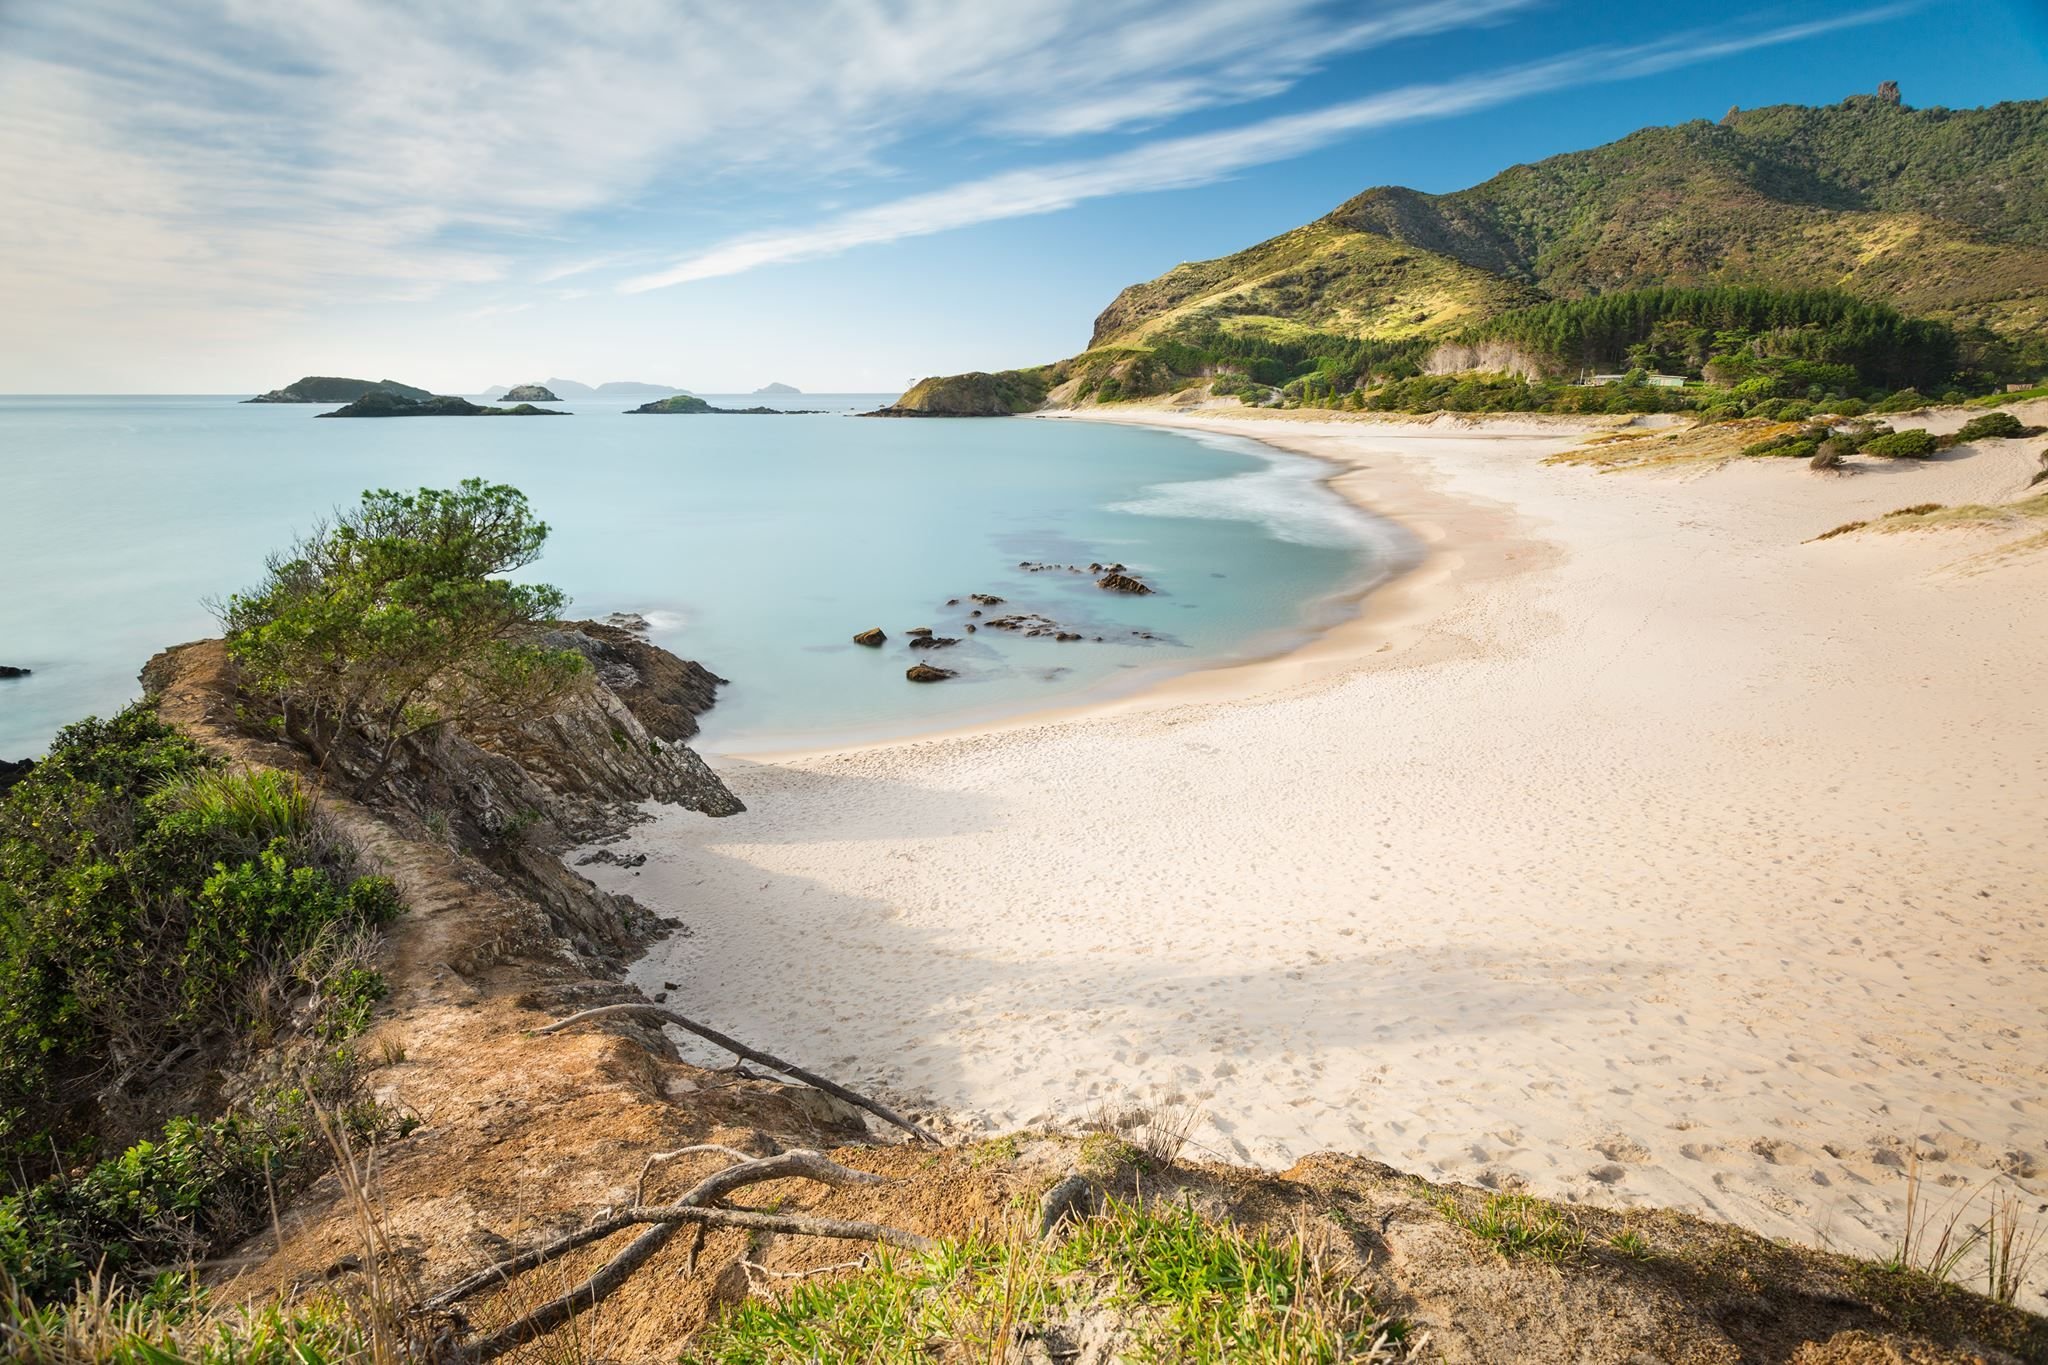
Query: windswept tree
397	618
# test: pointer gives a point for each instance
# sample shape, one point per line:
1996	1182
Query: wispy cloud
237	155
1185	162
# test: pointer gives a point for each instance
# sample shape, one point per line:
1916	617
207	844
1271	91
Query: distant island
529	393
689	403
560	389
778	388
381	404
316	388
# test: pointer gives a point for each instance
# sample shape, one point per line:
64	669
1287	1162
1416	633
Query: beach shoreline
1635	846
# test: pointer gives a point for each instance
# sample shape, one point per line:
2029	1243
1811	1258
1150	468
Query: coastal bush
1798	444
1911	444
396	619
1992	425
1905	400
1830	454
1847	407
142	887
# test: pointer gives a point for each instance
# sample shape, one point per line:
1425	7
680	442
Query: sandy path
1630	848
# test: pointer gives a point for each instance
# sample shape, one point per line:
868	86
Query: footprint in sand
1609	1174
1623	1148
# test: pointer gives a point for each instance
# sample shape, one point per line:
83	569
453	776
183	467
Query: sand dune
1630	847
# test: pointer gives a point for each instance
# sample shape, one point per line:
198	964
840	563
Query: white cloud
1201	159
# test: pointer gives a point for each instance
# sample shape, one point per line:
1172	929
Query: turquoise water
758	545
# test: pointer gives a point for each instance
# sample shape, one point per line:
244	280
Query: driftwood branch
739	1049
663	1158
662	1221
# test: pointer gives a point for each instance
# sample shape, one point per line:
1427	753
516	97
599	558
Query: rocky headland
967	395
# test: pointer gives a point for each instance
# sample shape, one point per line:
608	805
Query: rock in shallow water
10	671
1121	582
925	673
872	638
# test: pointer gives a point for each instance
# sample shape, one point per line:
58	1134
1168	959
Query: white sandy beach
1630	848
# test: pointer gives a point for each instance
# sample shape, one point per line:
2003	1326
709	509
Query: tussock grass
1166	1282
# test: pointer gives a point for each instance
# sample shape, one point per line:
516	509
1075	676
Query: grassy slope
1940	212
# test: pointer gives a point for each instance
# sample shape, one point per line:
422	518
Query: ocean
758	545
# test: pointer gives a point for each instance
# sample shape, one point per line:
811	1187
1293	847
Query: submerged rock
934	641
918	630
1123	582
10	671
925	673
872	637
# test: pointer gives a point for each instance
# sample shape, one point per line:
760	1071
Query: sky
218	196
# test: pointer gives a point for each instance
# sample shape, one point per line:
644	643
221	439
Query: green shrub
1992	425
141	887
1905	400
1790	445
1847	407
1912	444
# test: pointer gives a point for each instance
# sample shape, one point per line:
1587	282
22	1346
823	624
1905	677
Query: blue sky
221	195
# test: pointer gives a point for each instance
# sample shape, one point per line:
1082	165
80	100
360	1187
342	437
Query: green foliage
394	619
1992	425
1798	444
1913	444
1194	1292
141	886
1761	341
1905	400
1512	393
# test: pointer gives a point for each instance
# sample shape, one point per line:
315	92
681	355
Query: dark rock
665	692
925	673
690	403
986	599
629	621
872	638
1122	582
918	630
13	770
933	641
382	404
971	628
1066	635
10	671
952	601
605	855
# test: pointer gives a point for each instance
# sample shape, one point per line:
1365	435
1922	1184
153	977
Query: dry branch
693	1207
739	1049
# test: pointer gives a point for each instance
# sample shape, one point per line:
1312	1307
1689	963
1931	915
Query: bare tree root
696	1206
739	1049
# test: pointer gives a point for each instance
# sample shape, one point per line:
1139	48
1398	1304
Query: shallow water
758	545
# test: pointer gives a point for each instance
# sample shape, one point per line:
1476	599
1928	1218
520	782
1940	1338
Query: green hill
1939	214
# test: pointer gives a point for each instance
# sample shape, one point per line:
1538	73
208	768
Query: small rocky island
10	671
968	395
691	404
317	388
397	405
529	393
778	387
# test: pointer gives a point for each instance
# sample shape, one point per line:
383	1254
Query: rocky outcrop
933	641
667	693
12	770
316	388
871	637
10	671
396	405
926	673
978	394
1123	582
528	393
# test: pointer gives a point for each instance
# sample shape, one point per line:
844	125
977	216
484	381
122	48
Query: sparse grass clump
1518	1225
1178	1286
100	1327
